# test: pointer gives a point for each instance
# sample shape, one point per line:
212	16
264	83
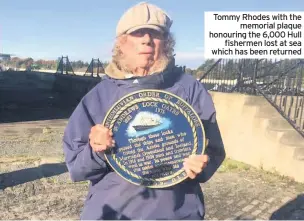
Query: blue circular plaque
154	131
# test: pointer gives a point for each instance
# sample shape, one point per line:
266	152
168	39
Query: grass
233	165
272	176
45	136
47	130
19	159
55	180
25	159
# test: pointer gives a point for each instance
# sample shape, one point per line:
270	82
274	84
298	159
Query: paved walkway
34	184
252	194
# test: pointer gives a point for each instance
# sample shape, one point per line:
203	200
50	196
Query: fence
281	82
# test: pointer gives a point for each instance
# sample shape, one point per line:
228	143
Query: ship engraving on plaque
146	123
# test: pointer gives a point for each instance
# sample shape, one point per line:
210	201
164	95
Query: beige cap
143	15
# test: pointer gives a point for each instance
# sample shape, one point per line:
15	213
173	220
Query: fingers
101	138
102	147
195	164
101	130
110	142
98	148
110	133
199	158
190	173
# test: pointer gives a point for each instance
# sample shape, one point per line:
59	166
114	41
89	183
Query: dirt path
34	183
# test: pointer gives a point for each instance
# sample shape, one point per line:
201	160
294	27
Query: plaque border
204	143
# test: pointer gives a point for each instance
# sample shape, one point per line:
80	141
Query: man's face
142	48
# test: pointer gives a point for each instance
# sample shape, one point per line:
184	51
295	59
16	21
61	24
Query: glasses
152	33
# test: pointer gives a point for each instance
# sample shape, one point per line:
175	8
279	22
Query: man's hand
101	138
195	164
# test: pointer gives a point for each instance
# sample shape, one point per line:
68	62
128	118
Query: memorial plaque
154	132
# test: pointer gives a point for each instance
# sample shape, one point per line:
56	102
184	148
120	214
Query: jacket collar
154	81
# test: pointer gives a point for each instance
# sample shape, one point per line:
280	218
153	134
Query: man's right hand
101	138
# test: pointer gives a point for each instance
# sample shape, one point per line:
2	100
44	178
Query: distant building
5	57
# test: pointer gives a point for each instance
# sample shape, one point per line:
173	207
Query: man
142	59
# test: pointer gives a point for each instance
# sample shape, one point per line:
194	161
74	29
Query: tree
206	65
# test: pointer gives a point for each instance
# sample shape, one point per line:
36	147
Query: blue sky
86	29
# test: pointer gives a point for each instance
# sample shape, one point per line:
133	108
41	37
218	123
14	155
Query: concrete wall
72	87
75	84
23	87
30	88
22	80
255	133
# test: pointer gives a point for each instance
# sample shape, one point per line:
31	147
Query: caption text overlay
257	35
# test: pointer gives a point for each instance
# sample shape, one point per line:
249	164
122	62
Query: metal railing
64	66
281	82
95	67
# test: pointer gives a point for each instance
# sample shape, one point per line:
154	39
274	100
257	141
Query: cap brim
154	27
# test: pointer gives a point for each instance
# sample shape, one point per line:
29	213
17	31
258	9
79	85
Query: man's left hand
194	165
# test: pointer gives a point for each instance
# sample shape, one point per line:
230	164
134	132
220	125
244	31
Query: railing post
61	62
92	73
255	73
98	66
